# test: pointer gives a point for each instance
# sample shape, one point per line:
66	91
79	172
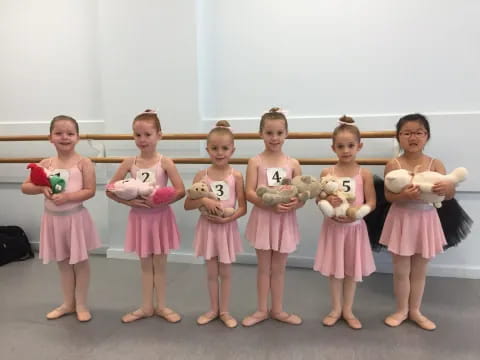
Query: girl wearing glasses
412	231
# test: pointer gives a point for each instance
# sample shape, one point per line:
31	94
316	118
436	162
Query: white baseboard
456	271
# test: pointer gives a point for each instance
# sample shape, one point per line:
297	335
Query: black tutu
456	223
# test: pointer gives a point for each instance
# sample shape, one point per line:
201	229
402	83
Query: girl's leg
226	284
349	287
146	310
336	291
160	284
401	289
67	281
82	281
264	259
212	284
277	283
417	286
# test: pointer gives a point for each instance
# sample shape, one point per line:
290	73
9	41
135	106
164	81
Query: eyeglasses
418	133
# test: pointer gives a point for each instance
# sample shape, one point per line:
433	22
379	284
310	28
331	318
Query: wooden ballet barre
202	136
239	161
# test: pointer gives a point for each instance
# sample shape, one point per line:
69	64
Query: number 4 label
275	176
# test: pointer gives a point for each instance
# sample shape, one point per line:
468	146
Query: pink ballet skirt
268	230
344	248
413	227
67	231
152	231
219	240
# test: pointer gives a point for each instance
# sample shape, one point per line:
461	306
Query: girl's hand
60	199
442	188
334	200
343	219
138	203
47	192
286	207
218	219
213	206
410	192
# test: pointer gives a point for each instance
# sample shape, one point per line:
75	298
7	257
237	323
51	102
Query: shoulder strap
398	163
430	164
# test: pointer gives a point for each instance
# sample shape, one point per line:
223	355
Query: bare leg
401	289
146	310
417	287
277	283
67	281
226	282
160	283
349	287
336	291
264	259
82	281
212	283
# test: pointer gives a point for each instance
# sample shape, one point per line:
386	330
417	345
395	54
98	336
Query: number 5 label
348	185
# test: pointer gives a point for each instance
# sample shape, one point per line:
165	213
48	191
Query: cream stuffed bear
332	186
278	194
199	190
308	187
396	180
131	188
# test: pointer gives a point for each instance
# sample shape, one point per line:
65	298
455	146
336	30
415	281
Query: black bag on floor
14	245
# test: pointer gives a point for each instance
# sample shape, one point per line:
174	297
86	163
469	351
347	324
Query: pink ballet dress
413	227
151	231
219	240
344	248
268	230
67	231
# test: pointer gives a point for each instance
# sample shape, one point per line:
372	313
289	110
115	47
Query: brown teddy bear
279	194
308	187
199	190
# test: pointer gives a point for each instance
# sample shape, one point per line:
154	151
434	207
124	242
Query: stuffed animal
200	190
396	180
308	187
279	194
332	186
40	176
131	188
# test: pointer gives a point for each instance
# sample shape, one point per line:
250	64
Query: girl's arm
251	184
30	188
295	203
174	177
369	189
241	202
120	174
443	188
409	192
212	205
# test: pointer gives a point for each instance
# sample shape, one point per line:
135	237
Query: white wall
104	61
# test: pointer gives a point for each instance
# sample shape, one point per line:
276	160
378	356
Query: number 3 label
221	190
348	185
146	176
275	176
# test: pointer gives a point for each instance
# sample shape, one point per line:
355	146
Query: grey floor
28	290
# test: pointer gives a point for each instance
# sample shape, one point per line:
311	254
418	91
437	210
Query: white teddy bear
396	180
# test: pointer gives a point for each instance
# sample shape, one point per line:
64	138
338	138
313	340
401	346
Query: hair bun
222	123
346	120
274	110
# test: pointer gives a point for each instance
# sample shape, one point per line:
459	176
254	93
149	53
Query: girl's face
64	136
220	148
274	134
346	146
412	137
146	135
